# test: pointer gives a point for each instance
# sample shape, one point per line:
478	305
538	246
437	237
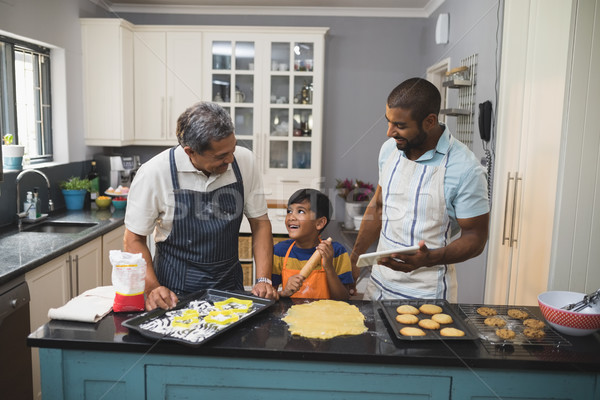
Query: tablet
371	258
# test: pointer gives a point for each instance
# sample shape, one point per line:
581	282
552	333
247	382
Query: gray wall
365	59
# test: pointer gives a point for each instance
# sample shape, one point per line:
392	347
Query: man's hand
406	262
161	297
264	290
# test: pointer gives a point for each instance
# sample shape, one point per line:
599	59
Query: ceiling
357	8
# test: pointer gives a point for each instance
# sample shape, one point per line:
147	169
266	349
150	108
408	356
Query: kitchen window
25	106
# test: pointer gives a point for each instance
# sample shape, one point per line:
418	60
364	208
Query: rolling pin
312	263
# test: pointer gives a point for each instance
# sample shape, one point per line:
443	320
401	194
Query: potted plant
12	154
356	195
74	190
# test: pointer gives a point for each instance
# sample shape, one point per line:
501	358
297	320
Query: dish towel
90	306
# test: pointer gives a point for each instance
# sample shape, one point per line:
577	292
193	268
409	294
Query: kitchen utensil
588	300
569	322
312	263
210	296
388	308
240	96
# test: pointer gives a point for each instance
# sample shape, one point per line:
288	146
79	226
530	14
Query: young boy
308	213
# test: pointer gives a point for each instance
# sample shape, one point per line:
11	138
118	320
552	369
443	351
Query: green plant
74	183
8	139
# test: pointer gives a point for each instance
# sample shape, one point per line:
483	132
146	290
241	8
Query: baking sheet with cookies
526	327
390	307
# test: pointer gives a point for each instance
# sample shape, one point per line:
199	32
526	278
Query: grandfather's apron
201	251
414	209
313	287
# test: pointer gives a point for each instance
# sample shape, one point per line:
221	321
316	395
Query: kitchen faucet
22	215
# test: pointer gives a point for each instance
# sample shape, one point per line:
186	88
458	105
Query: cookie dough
411	331
506	334
534	323
442	318
324	319
407	309
430	309
407	319
451	332
429	324
517	314
486	311
495	321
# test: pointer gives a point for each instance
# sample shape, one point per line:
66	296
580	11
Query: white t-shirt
151	202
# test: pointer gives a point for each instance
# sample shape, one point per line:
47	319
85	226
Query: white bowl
357	221
571	323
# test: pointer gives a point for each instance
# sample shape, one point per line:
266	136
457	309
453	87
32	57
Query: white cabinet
56	282
271	81
168	79
111	241
530	120
107	47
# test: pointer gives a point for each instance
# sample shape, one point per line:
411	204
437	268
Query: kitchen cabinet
55	283
528	142
107	49
110	241
168	79
271	82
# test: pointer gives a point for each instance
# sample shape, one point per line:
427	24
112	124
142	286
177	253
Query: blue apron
201	252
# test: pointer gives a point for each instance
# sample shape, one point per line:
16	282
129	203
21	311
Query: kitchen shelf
457	83
455	112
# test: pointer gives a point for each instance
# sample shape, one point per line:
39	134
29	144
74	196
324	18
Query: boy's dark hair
319	202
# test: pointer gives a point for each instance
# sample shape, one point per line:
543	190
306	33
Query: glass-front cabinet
272	84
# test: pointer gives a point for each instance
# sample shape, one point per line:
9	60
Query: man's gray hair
202	124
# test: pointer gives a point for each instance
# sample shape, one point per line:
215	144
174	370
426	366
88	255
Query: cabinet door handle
77	275
289	181
162	116
70	266
513	239
504	238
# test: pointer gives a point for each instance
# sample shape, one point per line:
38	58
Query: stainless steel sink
60	227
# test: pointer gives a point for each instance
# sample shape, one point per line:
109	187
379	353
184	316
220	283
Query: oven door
15	355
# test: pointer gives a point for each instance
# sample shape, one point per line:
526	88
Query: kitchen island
260	359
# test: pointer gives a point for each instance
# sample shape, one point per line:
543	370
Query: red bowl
568	322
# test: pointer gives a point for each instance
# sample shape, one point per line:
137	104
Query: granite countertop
267	336
24	251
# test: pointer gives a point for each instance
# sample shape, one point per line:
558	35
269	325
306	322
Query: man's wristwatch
265	280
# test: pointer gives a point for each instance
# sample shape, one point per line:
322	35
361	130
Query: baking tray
488	333
156	324
389	310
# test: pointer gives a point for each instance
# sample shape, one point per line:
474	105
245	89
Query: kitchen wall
365	59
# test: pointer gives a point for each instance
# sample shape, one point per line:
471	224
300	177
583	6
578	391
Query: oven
15	355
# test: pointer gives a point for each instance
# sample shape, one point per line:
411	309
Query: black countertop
266	336
24	251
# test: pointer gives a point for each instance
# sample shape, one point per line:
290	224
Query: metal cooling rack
488	333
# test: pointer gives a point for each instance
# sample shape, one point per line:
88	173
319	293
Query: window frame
8	96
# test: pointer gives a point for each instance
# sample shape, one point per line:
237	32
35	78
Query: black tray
211	296
389	310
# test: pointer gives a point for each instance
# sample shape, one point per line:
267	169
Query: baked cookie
534	333
429	324
442	318
486	311
411	331
407	309
451	332
495	321
407	319
430	309
517	314
506	334
534	323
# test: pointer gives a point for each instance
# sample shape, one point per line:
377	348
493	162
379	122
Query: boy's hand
326	250
294	283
